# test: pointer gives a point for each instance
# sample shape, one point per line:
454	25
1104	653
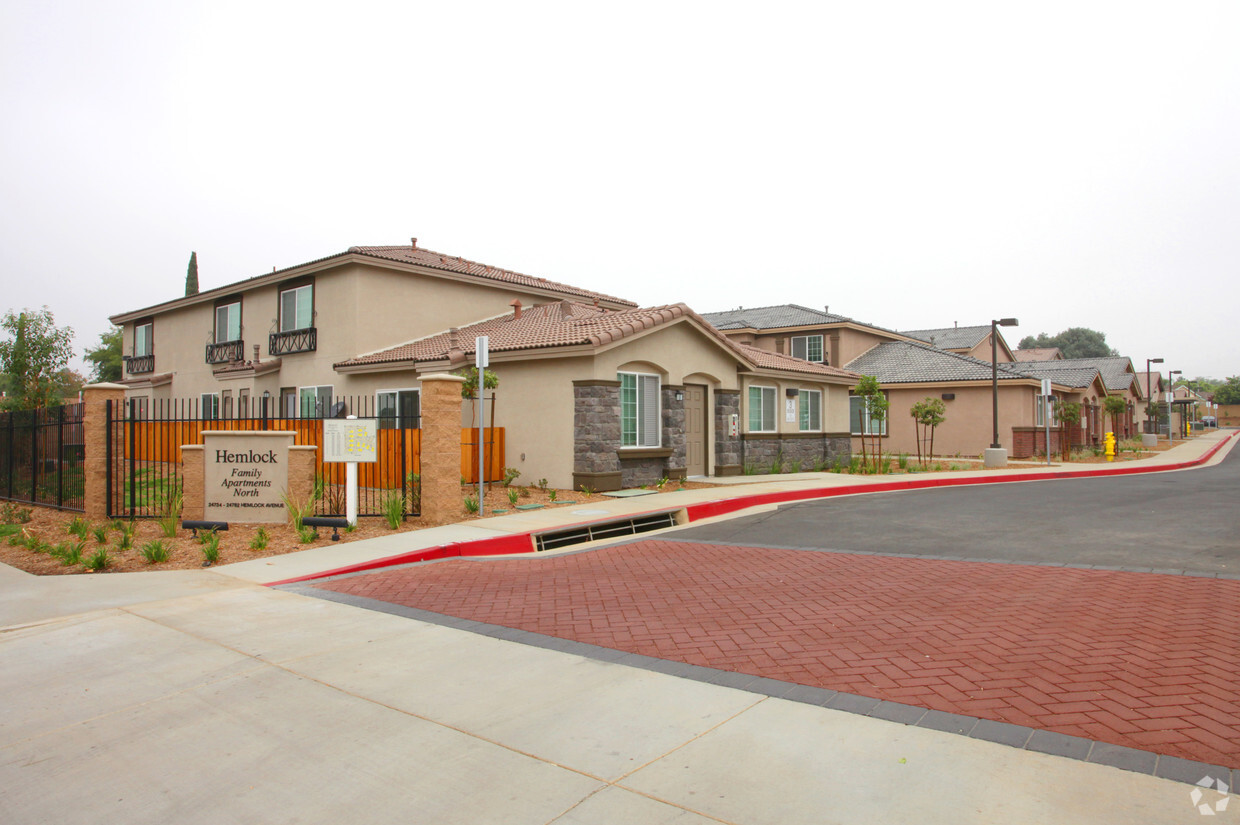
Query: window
288	401
639	410
807	347
761	409
228	322
142	339
810	410
210	406
315	402
297	308
859	419
243	403
398	409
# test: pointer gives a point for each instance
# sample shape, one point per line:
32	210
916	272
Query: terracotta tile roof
1038	354
906	362
571	324
257	367
765	359
436	260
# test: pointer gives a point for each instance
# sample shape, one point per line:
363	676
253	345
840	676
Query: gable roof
1154	379
951	337
907	362
408	254
1038	354
772	317
1066	373
1117	372
570	324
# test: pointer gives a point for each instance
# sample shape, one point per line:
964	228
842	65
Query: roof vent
516	309
413	242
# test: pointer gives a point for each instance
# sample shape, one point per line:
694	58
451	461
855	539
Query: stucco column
301	472
192	491
441	446
95	438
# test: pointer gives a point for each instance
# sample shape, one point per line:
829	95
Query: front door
695	429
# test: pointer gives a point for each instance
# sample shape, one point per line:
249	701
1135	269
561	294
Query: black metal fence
41	456
144	438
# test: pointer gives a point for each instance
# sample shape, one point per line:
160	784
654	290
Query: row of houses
594	390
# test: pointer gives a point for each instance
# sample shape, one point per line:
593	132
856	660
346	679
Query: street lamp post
1149	398
1171	374
996	456
994	373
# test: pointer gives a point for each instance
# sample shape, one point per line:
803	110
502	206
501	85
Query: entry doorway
695	429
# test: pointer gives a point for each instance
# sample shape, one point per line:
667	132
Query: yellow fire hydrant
1110	446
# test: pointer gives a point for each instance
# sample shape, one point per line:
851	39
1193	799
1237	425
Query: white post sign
350	440
1046	416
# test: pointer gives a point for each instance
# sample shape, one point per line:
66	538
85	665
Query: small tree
106	358
927	414
1069	415
191	275
35	357
1114	406
874	406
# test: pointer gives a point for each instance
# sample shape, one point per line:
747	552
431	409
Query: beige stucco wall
834	403
968	426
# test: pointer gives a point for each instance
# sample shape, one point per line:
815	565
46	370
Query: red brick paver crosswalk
1142	660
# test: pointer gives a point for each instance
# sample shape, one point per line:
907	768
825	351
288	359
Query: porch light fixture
1149	398
994	372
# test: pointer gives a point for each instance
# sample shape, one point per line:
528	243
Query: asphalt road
1186	520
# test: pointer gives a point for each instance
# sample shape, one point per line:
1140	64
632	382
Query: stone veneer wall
674	432
811	450
727	447
596	434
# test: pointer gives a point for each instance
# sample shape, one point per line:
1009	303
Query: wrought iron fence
144	452
41	456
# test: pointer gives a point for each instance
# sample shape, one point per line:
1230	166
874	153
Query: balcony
226	353
297	340
139	364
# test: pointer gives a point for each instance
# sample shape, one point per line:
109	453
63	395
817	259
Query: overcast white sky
908	164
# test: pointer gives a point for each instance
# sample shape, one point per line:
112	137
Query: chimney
256	353
413	242
516	309
826	308
455	354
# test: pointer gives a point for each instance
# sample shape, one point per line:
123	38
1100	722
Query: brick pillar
95	432
301	472
441	447
192	492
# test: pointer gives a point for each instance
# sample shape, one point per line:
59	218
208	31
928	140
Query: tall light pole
1171	374
1149	398
994	373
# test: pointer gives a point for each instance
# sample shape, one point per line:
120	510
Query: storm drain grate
582	533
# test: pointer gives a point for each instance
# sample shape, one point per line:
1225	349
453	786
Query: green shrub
510	475
415	492
551	494
79	527
70	552
587	490
903	461
297	509
170	511
542	484
154	552
513	495
471	504
101	534
305	535
259	542
794	466
393	509
10	513
211	547
98	560
125	540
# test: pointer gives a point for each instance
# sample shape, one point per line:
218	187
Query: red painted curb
524	542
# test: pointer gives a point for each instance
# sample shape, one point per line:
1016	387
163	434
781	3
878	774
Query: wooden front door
695	429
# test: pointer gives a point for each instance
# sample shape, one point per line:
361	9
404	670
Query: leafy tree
1228	393
34	357
874	406
106	358
927	414
1114	406
191	275
1076	342
1069	415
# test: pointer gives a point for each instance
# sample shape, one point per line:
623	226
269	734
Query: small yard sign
347	439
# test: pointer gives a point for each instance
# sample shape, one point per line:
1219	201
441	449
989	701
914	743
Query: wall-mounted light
680	396
949	396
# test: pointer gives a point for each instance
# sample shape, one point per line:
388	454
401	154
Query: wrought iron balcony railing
226	352
297	340
138	364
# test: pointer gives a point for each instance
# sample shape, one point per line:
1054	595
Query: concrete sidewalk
203	697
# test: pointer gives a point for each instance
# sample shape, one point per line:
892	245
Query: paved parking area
1140	660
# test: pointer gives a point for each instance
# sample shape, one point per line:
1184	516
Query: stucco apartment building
952	364
593	390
